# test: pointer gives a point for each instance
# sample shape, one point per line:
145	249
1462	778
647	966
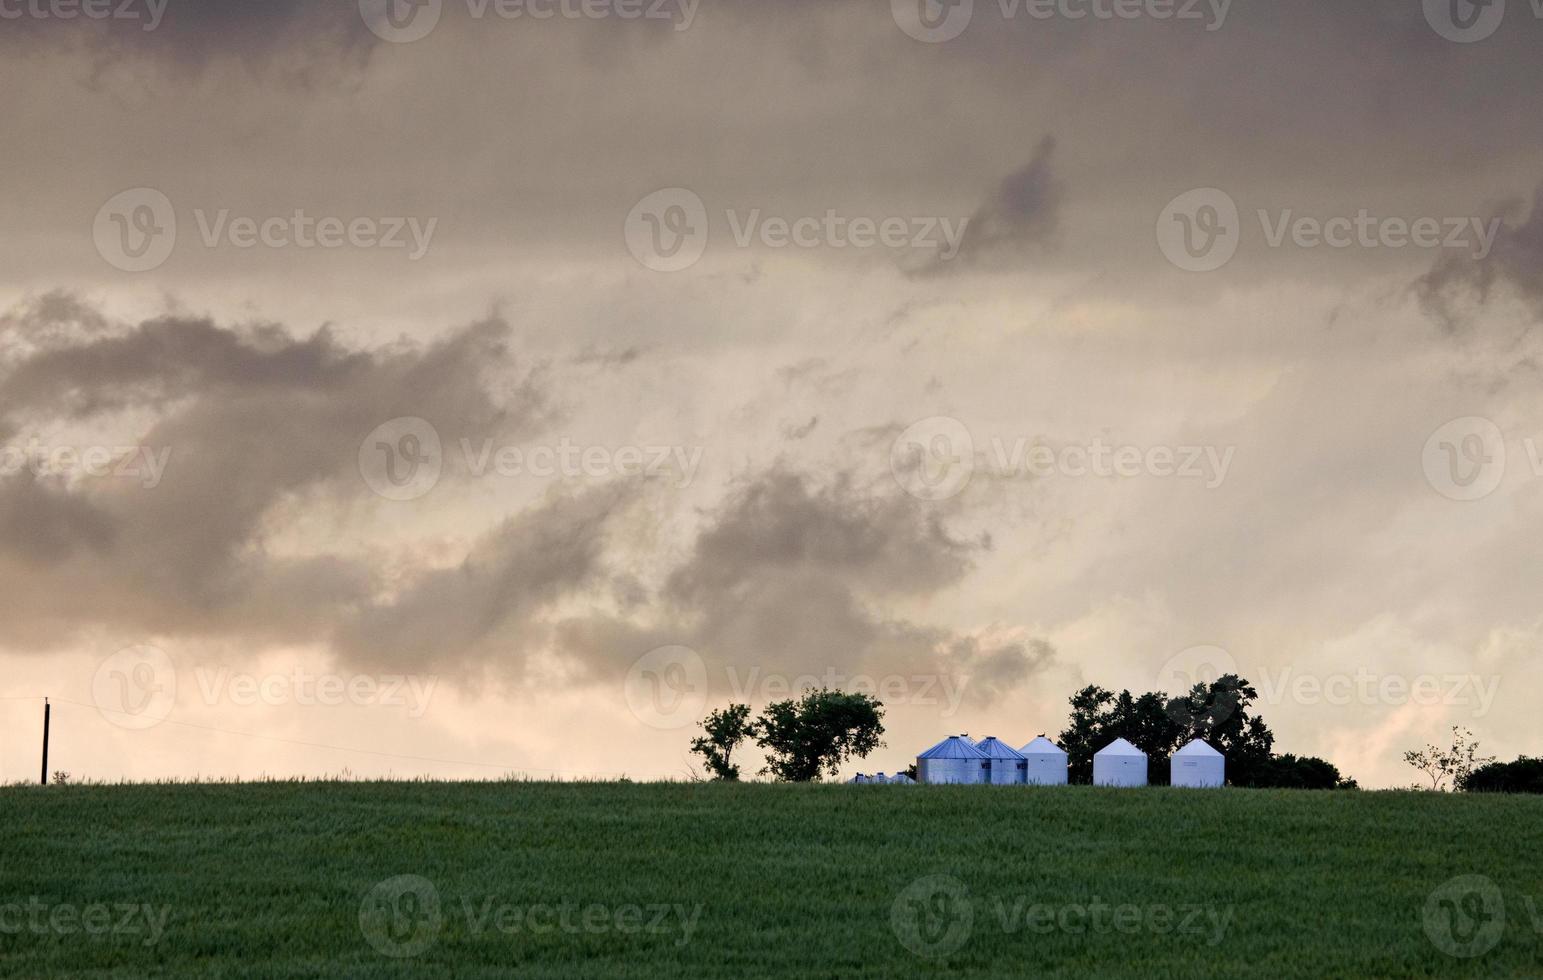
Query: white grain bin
901	779
1044	763
1198	764
878	779
1119	764
857	780
1006	767
953	760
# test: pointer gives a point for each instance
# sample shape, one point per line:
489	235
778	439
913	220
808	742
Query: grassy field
640	880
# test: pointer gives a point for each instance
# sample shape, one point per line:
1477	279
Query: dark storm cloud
298	35
1458	285
792	576
1022	215
488	608
244	422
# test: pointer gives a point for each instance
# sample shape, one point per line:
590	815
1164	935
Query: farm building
1005	763
1044	763
1198	764
901	779
953	760
1119	764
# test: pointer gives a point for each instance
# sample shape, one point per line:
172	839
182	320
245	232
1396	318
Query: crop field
290	879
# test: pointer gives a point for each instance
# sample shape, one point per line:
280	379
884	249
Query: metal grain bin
953	760
1006	762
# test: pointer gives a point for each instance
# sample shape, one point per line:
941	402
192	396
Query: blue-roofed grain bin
953	760
1006	764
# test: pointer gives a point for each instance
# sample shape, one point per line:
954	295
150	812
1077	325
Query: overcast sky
501	386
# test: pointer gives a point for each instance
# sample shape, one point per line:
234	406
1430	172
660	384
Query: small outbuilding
1005	763
1198	764
1044	763
953	760
1119	764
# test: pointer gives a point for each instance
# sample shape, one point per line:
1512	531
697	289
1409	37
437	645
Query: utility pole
47	710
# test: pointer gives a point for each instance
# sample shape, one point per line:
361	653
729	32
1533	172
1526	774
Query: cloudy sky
465	387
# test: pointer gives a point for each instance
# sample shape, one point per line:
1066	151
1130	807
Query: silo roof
953	747
997	749
1120	747
1198	747
1040	746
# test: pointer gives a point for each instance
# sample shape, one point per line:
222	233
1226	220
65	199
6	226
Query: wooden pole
47	710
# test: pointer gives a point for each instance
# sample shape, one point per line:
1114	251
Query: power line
348	748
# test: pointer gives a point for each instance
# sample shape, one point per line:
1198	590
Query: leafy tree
724	729
1218	713
817	733
1525	775
1455	763
1293	772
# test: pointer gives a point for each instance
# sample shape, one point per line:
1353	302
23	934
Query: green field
648	880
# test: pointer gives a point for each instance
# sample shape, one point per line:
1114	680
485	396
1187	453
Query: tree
724	729
1157	725
817	733
1456	763
1293	772
1525	775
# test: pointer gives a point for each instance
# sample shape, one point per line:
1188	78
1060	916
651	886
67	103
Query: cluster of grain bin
878	778
992	762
